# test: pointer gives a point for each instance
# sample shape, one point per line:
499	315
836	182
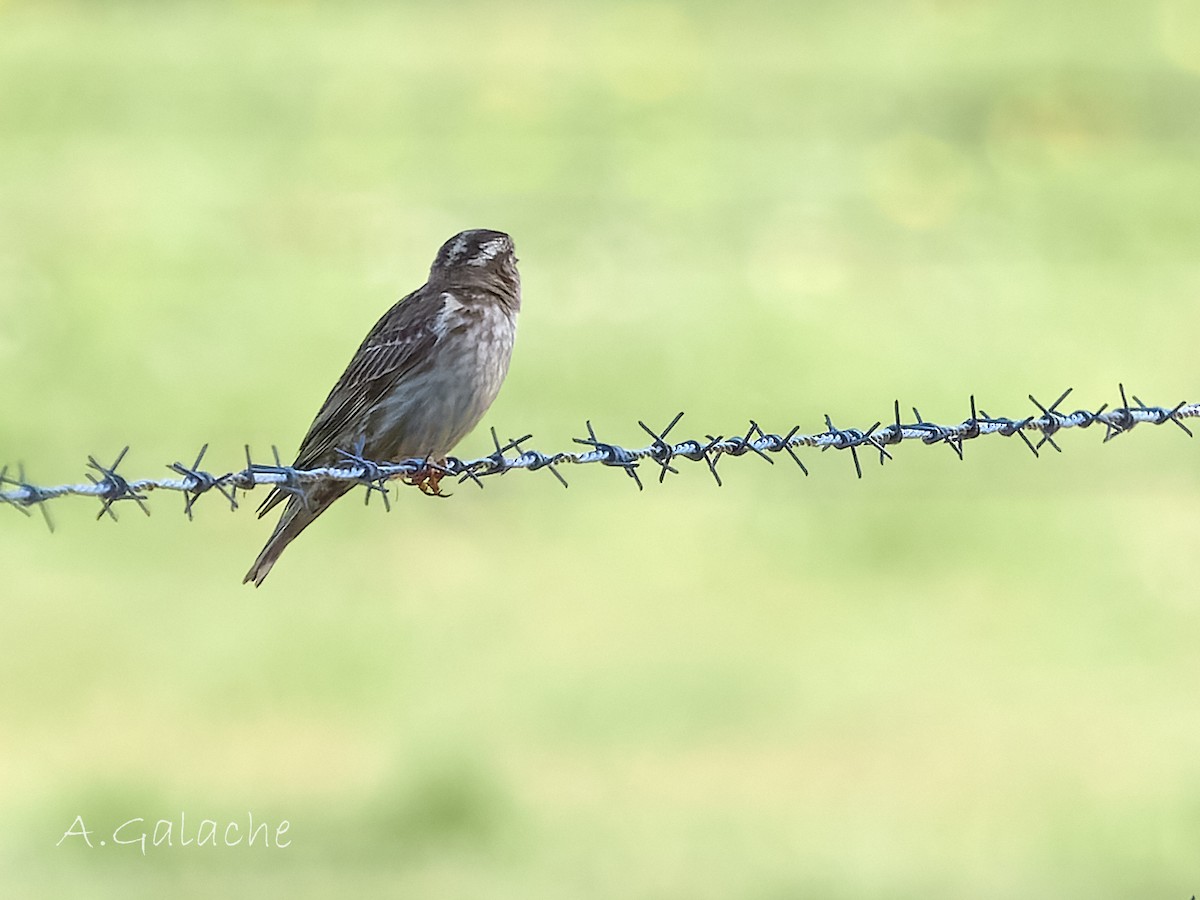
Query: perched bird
421	380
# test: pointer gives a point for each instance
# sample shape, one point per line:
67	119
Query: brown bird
421	380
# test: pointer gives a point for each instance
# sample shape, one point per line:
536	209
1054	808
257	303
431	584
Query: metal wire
111	488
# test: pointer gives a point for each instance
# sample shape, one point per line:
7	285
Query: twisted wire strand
193	481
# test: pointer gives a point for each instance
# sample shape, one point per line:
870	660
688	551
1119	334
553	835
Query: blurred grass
947	679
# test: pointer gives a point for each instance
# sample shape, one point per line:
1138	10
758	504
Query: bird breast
441	402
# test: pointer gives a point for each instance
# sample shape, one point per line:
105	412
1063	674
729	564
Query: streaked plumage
422	378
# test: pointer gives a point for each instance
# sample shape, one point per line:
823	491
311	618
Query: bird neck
505	290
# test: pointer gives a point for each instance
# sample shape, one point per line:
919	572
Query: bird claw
428	479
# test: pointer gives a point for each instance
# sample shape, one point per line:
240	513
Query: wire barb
371	476
4	498
660	451
664	451
611	454
113	487
201	482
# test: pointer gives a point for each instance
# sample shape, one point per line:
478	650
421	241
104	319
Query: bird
420	381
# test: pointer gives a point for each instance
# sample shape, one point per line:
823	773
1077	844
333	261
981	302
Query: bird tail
299	513
295	519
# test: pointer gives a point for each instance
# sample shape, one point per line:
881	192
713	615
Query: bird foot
428	479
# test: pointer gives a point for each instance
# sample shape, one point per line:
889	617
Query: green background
947	679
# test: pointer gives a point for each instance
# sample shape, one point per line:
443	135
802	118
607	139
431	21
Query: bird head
479	255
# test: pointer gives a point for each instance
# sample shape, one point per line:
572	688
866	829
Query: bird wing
400	341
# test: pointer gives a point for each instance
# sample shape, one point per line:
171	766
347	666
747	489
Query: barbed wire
111	488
